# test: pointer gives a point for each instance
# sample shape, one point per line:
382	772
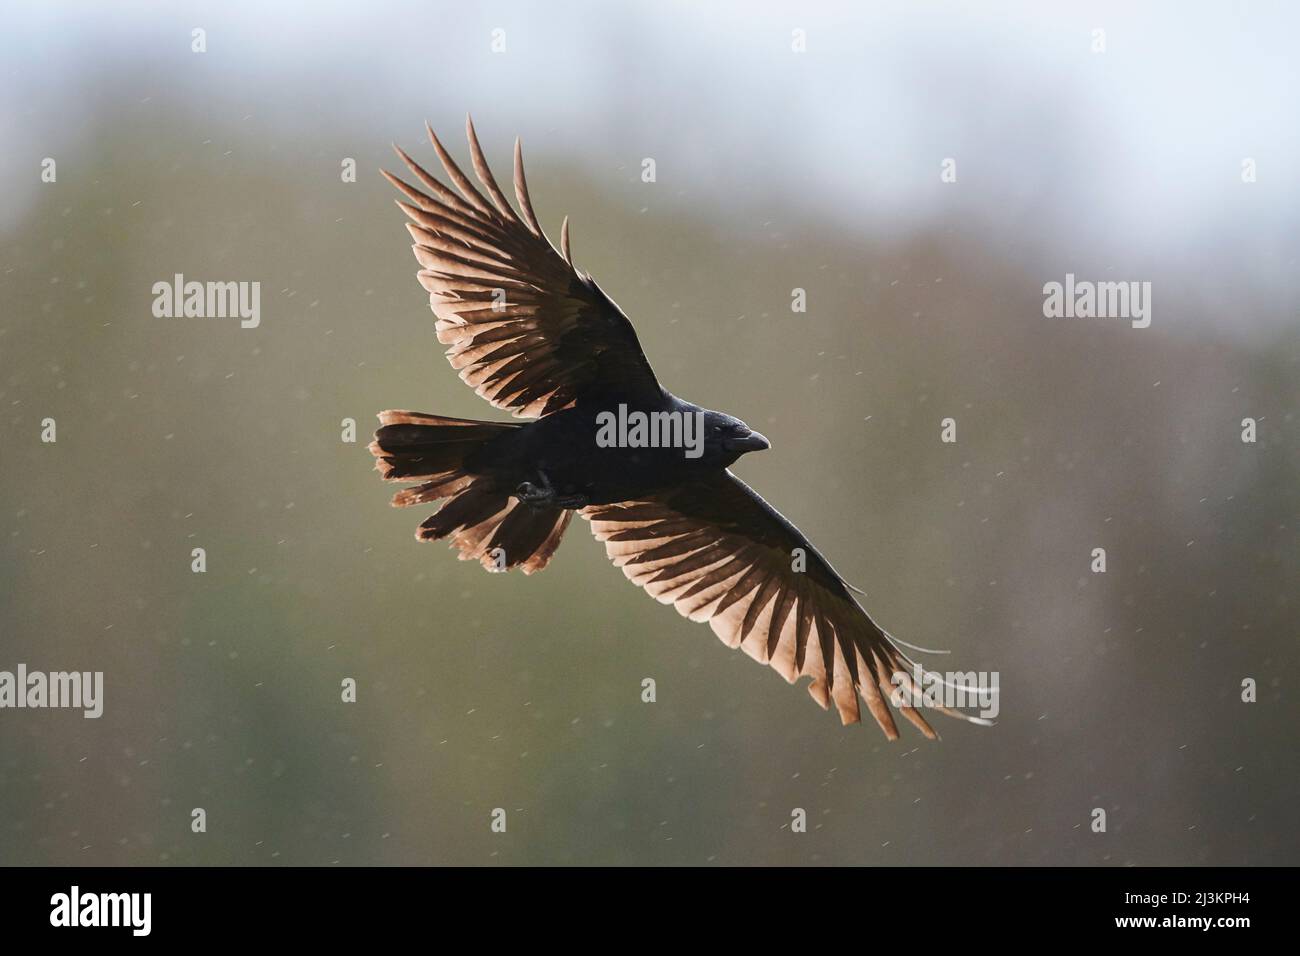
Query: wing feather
490	271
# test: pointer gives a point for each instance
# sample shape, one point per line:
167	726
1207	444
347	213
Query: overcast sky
1125	155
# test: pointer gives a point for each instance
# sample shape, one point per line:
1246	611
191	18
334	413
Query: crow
650	472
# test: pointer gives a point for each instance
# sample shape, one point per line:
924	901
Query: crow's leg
576	501
543	494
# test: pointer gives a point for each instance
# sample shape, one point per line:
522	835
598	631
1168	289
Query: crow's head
726	438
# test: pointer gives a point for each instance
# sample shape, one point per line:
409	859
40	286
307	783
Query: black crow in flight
533	335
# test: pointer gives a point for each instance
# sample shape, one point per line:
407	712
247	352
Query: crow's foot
543	495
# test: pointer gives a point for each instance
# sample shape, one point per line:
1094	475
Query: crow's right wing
718	552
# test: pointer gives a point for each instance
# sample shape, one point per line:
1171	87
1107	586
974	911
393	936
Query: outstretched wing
718	552
525	329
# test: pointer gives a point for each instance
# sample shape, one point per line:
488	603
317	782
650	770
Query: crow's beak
754	441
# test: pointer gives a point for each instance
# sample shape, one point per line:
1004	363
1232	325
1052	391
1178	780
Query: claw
531	494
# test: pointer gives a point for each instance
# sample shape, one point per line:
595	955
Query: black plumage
533	335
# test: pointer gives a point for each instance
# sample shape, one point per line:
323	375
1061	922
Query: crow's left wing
718	552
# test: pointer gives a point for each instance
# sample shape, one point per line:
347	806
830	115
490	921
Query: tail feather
534	532
482	520
464	513
431	491
414	445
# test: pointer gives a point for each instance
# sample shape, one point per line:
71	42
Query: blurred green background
774	171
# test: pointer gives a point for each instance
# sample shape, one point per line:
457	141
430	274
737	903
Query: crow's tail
481	518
